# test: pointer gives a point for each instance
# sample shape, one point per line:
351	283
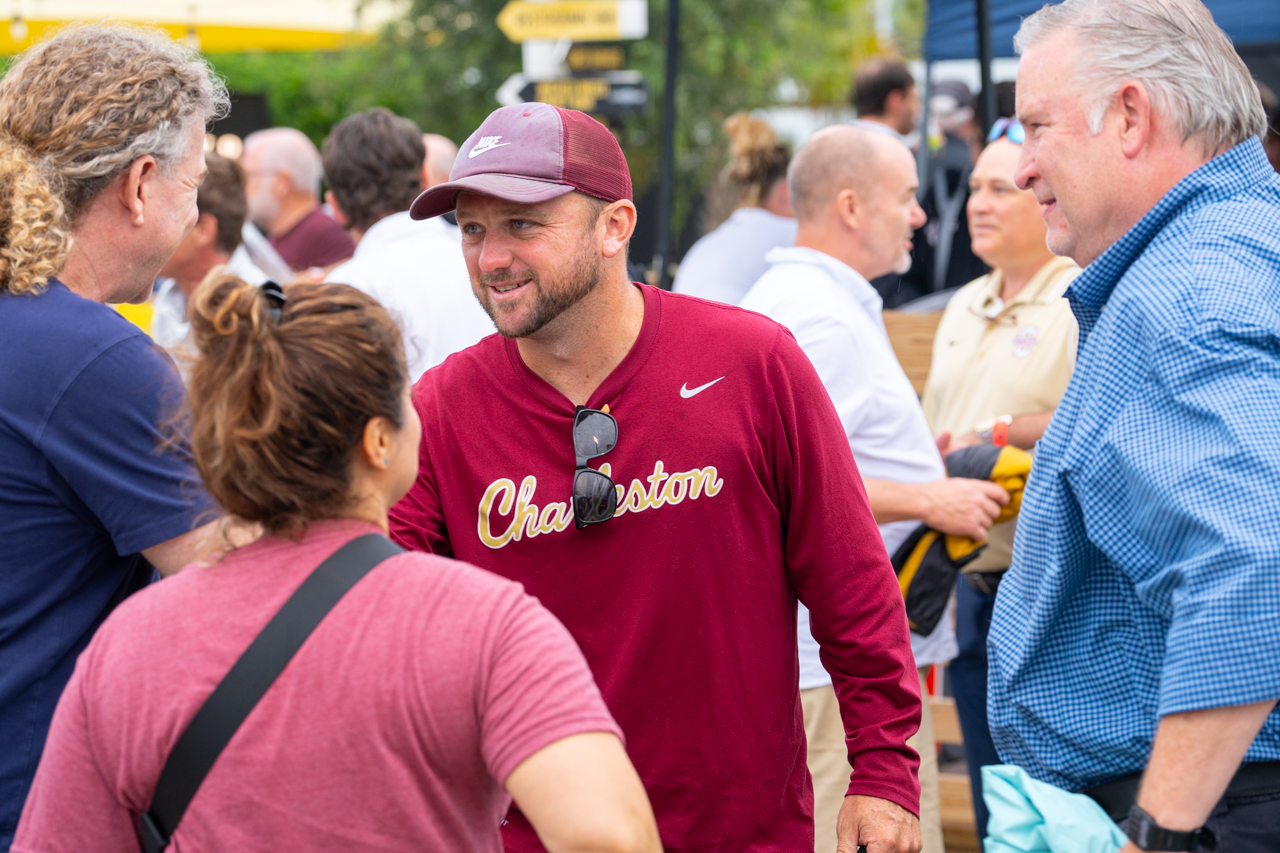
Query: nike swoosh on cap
485	145
687	392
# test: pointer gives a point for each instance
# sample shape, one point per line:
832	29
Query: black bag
249	679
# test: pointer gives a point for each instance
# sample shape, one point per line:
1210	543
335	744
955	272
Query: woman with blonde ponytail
101	131
726	262
426	699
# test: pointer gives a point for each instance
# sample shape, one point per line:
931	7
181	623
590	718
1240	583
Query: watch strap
1146	834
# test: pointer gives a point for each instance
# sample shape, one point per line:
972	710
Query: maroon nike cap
529	153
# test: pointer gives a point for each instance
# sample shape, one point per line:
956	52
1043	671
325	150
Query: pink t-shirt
391	729
738	494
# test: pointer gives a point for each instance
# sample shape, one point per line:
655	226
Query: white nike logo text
687	392
486	143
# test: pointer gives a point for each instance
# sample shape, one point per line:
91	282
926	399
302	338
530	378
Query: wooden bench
912	338
959	832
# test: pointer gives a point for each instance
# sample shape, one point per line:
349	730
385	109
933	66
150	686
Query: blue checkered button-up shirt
1146	567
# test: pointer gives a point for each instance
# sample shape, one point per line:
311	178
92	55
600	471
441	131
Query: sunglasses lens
595	498
997	129
1016	134
594	433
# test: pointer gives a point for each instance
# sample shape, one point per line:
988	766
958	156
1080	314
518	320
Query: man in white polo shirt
374	165
853	191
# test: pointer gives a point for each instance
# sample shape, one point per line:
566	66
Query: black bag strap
251	676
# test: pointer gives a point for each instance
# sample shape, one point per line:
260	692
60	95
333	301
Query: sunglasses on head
595	496
1009	127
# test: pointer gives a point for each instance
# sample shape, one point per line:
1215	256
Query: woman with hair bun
429	696
726	262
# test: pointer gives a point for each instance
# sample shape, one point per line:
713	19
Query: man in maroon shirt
282	179
668	476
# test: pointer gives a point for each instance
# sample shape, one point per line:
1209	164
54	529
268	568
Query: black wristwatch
1144	832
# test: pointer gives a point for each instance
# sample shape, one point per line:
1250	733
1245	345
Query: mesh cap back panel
593	161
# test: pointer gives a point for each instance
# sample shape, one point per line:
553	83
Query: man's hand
963	507
948	443
881	825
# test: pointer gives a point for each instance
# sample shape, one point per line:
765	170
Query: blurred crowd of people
714	629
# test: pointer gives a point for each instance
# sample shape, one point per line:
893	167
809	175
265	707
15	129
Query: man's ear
205	232
893	102
849	209
424	177
619	222
1133	105
137	186
338	215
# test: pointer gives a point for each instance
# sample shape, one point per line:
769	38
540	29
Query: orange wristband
1000	434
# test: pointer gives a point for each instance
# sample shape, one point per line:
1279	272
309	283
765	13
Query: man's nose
494	254
1026	171
918	217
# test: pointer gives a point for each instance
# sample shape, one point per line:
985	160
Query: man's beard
904	264
549	303
263	208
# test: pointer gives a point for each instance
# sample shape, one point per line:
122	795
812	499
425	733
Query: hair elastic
274	294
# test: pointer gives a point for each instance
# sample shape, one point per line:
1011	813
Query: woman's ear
375	446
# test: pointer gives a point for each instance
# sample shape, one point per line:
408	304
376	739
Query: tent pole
666	179
988	101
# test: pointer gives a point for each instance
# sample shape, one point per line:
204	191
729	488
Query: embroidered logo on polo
1025	341
509	514
486	143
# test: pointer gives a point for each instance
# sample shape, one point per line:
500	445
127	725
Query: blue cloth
85	484
1146	566
952	29
1031	817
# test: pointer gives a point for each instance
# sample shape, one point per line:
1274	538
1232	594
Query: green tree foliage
443	61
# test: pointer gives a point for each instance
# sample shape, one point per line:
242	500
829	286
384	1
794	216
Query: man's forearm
1194	756
1026	430
892	501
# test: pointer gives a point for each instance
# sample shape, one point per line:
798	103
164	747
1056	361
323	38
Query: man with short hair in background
283	172
373	162
215	241
854	194
1135	646
668	477
441	152
885	98
97	490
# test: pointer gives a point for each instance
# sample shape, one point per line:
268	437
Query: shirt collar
1044	287
846	276
1232	171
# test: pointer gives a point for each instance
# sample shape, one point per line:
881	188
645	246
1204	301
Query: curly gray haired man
1134	647
101	137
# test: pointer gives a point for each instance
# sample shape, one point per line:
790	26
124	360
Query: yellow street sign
209	38
577	20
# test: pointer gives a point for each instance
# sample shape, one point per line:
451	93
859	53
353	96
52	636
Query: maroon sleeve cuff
886	774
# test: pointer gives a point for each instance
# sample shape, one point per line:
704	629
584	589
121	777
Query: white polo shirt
724	264
416	270
834	314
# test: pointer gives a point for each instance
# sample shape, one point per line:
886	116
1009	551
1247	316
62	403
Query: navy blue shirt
87	480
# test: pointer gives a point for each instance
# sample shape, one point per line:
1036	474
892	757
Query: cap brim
443	198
